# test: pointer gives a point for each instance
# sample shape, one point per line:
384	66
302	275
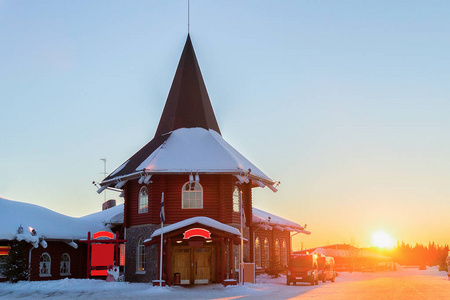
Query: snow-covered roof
200	220
262	217
50	224
195	150
356	252
198	150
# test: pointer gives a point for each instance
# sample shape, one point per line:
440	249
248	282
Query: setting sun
382	240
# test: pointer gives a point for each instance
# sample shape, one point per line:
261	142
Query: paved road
388	287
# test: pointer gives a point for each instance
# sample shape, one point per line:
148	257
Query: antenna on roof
188	16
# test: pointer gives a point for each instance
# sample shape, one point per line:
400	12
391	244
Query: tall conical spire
188	103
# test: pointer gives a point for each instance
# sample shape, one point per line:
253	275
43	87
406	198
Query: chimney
108	204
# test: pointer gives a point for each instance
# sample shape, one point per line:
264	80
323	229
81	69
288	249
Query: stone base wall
152	254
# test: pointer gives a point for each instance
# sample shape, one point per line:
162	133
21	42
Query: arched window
143	200
64	265
266	253
284	253
258	252
277	252
192	195
45	264
141	257
236	202
2	265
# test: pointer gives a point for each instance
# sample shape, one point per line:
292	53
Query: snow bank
265	288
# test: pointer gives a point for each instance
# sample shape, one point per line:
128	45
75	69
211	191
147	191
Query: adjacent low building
53	239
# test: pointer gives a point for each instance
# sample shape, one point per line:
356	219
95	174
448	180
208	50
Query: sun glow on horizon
381	239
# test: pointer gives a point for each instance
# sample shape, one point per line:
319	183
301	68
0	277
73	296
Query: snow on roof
198	150
356	252
201	220
50	224
262	217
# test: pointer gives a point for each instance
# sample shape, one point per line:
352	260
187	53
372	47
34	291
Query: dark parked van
327	269
303	268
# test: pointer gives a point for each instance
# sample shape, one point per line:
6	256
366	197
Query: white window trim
182	192
70	262
49	267
138	257
139	200
238	199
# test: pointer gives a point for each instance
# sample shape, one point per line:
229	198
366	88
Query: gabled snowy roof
262	217
355	252
188	137
50	224
200	220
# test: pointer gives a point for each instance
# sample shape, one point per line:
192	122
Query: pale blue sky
347	103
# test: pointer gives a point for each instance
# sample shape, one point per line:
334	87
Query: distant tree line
431	255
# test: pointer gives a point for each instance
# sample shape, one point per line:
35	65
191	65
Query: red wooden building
202	178
53	240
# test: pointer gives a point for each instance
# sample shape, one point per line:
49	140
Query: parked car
327	270
303	268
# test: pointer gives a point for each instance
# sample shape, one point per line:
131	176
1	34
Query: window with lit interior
284	253
236	202
64	265
258	253
266	253
44	265
277	252
192	195
141	257
143	200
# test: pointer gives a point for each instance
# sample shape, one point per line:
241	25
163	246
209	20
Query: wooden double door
195	264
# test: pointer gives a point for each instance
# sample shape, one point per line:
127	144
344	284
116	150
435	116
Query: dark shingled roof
188	103
187	106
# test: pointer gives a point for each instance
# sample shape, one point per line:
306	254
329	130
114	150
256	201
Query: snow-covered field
402	284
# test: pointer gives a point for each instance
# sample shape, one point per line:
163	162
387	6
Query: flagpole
162	244
241	269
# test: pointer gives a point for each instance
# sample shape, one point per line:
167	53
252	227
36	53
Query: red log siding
56	250
217	199
272	235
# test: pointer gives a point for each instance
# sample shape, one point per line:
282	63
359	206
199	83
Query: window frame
277	249
3	259
258	260
142	209
189	192
67	266
141	257
266	252
236	201
284	254
41	263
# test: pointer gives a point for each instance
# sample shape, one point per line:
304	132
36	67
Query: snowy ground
402	284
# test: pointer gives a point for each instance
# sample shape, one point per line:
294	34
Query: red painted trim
4	250
99	273
103	234
196	232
